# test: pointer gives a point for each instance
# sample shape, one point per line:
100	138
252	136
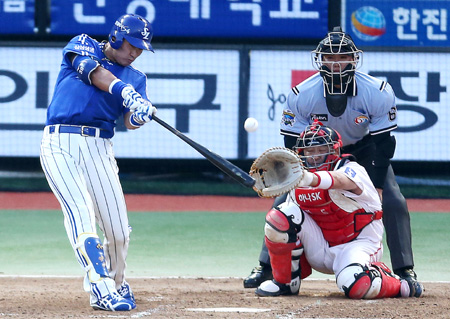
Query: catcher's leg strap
90	251
374	281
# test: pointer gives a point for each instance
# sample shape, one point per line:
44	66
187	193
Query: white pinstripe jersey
372	110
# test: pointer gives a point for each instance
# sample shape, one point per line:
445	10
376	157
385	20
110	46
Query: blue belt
82	130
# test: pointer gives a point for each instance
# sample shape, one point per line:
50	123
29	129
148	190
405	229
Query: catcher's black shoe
415	288
272	288
258	275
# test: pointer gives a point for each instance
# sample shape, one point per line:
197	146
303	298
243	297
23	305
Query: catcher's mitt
276	171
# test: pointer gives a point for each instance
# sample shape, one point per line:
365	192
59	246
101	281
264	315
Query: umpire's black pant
396	218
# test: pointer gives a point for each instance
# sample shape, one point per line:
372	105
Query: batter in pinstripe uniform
362	109
96	85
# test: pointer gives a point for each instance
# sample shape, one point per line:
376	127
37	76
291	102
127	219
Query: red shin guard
373	282
280	260
390	285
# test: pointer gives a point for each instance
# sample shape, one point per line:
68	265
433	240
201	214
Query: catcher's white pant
365	249
83	174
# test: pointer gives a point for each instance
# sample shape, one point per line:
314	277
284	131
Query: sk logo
145	33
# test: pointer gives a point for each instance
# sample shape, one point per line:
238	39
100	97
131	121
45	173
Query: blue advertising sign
17	16
412	23
298	19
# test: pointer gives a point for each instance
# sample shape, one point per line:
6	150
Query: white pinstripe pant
83	174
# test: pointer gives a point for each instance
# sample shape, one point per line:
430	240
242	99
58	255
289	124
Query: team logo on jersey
319	117
288	118
310	197
145	33
361	119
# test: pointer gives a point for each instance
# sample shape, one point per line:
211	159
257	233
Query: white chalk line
229	309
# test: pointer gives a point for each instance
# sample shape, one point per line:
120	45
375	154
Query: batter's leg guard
104	295
375	281
92	257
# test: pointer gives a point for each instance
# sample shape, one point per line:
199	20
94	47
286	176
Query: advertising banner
421	88
298	19
17	16
192	92
413	23
197	92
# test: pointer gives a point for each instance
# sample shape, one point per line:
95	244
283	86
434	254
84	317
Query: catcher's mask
337	58
319	147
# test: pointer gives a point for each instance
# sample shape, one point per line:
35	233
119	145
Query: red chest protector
338	226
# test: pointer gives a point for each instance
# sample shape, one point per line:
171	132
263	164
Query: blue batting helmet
135	29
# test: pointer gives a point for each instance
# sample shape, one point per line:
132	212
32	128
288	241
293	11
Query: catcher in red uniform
331	220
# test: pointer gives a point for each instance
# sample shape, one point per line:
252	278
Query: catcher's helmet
316	135
337	75
135	29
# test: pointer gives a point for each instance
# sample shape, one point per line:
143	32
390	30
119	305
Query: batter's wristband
116	87
326	181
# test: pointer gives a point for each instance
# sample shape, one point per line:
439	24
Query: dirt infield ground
44	297
211	298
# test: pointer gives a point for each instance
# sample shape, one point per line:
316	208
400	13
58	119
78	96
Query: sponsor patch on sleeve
288	118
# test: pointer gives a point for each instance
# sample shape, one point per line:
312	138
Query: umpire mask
337	58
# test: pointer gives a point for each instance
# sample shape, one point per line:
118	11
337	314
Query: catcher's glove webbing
276	171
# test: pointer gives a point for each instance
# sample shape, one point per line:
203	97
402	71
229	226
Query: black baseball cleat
415	288
272	288
258	275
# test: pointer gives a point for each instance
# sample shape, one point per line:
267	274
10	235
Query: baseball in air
251	124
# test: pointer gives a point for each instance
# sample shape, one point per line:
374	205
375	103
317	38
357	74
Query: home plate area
63	297
229	309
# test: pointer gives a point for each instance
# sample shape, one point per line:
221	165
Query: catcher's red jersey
341	214
338	225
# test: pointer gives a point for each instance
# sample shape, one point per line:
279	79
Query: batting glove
131	98
143	114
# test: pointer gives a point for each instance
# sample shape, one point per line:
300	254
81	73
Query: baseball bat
225	166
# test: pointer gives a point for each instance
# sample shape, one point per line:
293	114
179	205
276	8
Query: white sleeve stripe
288	133
388	129
383	85
295	90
